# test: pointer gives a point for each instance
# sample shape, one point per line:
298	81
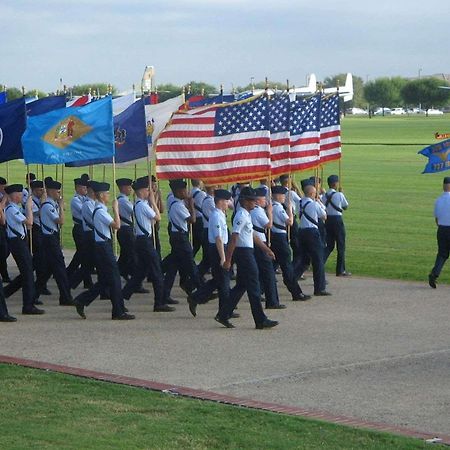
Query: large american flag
218	144
330	129
280	157
305	133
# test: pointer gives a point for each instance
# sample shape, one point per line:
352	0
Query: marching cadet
76	206
282	218
16	229
241	250
125	235
197	228
37	191
309	236
147	259
335	203
51	218
4	251
29	177
108	271
317	183
206	208
160	205
261	216
442	218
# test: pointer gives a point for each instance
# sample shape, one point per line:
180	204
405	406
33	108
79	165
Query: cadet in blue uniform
108	271
16	229
279	241
52	217
29	177
125	235
335	203
240	249
207	208
310	239
76	206
147	258
4	250
197	228
442	217
261	216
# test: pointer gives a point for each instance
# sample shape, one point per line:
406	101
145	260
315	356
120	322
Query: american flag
330	129
305	133
218	144
279	135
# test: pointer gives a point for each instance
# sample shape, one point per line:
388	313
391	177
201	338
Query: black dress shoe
266	324
322	293
276	307
66	302
432	281
37	302
225	322
163	308
80	310
301	298
192	306
44	291
124	316
8	318
171	301
235	315
344	274
141	290
33	311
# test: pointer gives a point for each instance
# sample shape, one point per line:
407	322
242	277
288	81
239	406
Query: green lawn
54	411
390	225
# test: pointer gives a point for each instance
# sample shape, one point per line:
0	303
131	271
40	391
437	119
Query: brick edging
222	398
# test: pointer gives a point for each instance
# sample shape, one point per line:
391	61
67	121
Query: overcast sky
218	41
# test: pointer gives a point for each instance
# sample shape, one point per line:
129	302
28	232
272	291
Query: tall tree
83	89
359	100
425	92
384	92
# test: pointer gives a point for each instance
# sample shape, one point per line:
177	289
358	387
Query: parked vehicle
357	112
398	112
379	111
435	112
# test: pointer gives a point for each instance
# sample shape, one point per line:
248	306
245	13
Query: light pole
420	103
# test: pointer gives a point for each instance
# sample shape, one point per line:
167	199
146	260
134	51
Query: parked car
435	112
379	111
398	112
357	111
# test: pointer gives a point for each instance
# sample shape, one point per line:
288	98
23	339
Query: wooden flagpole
115	246
62	196
30	241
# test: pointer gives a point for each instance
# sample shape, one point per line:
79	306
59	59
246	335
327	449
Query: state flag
46	104
13	121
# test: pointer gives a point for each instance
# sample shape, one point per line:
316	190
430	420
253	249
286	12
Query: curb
226	399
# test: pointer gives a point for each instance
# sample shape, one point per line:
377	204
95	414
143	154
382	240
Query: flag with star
304	126
280	158
218	144
330	129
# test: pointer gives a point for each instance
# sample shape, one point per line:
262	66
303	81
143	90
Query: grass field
390	225
54	411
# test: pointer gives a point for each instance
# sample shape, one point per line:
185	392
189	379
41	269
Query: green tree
197	87
94	88
262	85
168	90
359	100
12	93
384	92
425	92
34	92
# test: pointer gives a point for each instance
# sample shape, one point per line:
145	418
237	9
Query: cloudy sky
218	41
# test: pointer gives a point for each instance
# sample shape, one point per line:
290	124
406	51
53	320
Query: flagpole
114	196
30	241
7	170
104	174
56	172
62	197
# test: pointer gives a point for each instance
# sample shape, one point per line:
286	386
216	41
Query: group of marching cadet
275	228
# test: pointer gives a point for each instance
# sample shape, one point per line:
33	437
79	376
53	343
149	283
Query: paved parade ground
376	350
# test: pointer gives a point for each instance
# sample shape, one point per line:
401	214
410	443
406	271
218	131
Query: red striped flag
330	129
218	144
280	152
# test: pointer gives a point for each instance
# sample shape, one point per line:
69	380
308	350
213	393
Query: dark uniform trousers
4	253
127	257
443	240
220	276
3	308
311	243
267	278
280	247
108	279
148	264
336	237
205	263
87	262
247	280
294	240
55	264
197	235
25	280
39	263
77	260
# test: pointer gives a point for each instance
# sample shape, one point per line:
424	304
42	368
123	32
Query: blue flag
130	137
438	157
12	125
3	97
46	104
70	134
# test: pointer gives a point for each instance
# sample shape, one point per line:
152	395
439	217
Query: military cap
315	179
14	188
124	182
36	184
447	180
52	184
3	181
247	193
279	190
31	176
80	181
334	179
284	178
222	194
260	192
100	187
140	183
306	182
177	184
85	176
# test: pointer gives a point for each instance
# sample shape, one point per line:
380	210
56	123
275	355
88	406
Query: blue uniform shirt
49	216
280	216
294	200
198	195
125	210
15	221
442	209
208	206
101	221
36	210
260	220
76	204
242	225
86	212
217	226
314	210
178	215
337	199
144	215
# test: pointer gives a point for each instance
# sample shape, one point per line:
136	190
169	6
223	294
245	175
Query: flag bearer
197	229
4	250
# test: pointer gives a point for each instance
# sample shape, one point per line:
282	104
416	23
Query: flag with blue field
12	126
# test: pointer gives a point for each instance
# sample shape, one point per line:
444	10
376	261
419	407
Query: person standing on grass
442	217
335	203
